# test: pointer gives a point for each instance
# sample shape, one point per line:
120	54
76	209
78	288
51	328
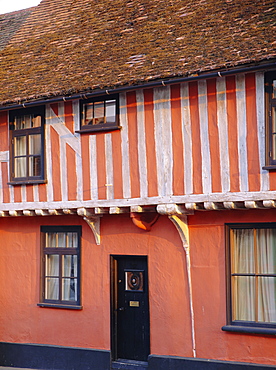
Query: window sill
249	330
27	182
98	129
269	168
65	306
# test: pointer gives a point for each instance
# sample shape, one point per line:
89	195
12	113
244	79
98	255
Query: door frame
114	299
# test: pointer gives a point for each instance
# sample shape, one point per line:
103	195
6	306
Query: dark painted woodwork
130	308
34	356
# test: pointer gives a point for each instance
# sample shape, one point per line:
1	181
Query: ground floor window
61	264
252	275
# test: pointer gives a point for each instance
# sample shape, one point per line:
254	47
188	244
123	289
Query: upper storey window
99	114
27	145
271	118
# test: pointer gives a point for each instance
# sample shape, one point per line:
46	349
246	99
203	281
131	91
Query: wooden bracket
94	224
181	224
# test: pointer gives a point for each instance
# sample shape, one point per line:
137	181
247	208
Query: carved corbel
92	221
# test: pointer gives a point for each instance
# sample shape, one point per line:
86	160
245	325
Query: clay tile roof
73	46
10	23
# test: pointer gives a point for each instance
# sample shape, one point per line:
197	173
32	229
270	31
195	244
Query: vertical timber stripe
142	159
109	167
223	137
117	165
125	146
163	140
204	138
187	139
252	133
177	141
86	177
260	103
48	150
23	193
93	167
242	132
101	165
196	146
192	138
133	139
232	133
5	186
36	193
71	173
213	135
55	152
150	143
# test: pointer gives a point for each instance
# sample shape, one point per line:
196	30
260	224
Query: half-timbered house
138	185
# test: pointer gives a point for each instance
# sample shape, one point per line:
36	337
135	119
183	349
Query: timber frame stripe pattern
219	154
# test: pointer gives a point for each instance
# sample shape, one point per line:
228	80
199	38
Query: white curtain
243	294
69	277
52	281
266	249
254	297
20	149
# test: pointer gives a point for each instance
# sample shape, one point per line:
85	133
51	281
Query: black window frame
101	126
26	132
270	105
60	303
243	326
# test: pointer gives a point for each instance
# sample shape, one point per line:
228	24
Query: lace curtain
253	263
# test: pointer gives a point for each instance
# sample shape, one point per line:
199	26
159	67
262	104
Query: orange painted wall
22	321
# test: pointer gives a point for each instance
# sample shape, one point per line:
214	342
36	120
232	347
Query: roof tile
83	45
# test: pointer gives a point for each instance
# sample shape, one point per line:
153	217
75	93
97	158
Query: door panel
131	308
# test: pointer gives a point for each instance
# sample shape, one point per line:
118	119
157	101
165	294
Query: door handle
120	309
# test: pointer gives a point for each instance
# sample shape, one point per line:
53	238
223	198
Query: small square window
27	145
61	265
99	114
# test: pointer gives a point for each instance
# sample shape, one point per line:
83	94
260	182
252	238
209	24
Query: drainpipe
178	216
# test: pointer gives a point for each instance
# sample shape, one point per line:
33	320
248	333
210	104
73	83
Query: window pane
69	289
72	240
52	288
98	112
34	166
110	111
34	144
20	168
88	114
52	265
267	299
61	240
69	266
20	145
51	239
266	251
243	260
243	297
36	121
18	123
274	89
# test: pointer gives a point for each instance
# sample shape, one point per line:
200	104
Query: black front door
130	308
